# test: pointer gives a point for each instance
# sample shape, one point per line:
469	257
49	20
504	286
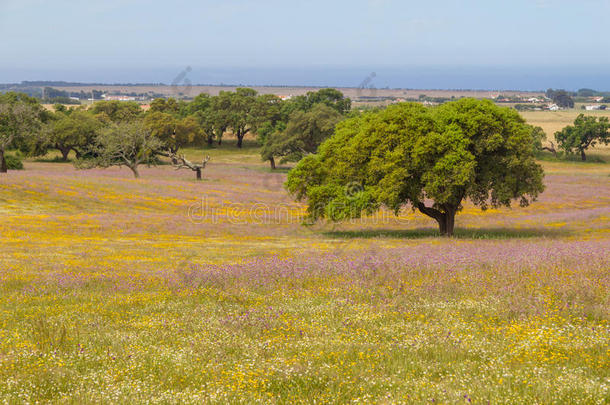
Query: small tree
21	116
173	131
117	111
219	117
331	97
242	119
430	159
71	131
125	144
181	162
586	132
170	106
201	109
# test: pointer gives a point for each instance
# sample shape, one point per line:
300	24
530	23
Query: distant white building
118	98
593	107
554	107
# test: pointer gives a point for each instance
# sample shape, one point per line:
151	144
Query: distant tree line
118	133
114	133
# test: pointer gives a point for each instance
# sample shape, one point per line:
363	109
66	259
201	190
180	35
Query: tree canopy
331	97
169	106
298	126
174	132
430	159
127	144
305	131
117	111
585	133
70	131
20	115
242	118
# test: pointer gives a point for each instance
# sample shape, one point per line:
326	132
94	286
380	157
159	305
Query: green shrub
13	162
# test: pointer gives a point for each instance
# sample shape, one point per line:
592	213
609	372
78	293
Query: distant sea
459	77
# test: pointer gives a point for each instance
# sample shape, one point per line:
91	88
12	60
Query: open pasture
166	290
553	121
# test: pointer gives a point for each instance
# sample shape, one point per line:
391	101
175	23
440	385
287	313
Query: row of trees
121	133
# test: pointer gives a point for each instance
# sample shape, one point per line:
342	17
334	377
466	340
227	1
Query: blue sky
119	39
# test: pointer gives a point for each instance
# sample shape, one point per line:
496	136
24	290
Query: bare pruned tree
180	162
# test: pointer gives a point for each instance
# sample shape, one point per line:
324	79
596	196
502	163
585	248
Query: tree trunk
198	173
3	166
272	162
64	153
240	138
582	155
210	140
446	223
445	220
449	222
442	225
135	171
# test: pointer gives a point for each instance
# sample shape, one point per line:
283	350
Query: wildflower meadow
167	290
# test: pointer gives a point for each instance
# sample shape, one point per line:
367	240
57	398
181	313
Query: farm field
554	121
352	92
168	290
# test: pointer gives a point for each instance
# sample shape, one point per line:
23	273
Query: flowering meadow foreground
166	290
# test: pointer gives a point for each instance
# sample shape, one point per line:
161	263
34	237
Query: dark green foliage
169	106
70	130
302	135
331	97
538	136
561	97
586	93
242	116
301	121
13	162
213	115
21	118
52	95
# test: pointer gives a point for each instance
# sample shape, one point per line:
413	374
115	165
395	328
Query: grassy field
554	121
168	290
